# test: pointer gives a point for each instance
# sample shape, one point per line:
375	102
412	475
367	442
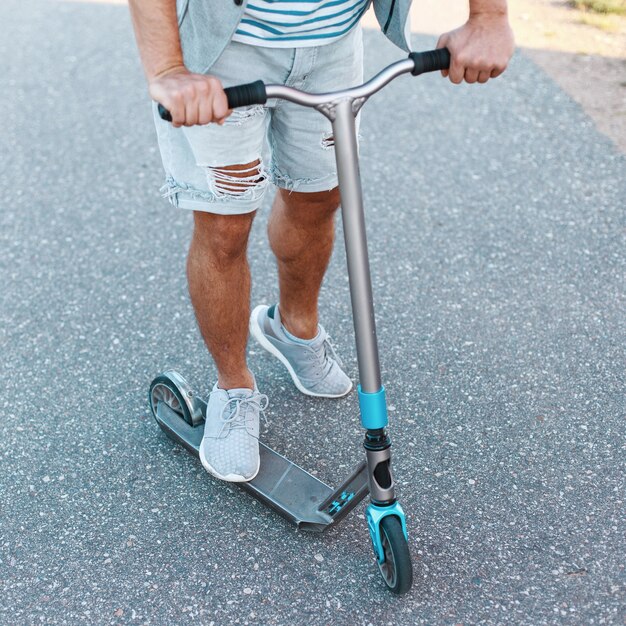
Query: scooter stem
346	152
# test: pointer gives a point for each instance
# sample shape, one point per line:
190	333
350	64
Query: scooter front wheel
396	569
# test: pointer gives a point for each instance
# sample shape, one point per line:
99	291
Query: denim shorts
298	140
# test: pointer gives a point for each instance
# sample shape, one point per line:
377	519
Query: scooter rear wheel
396	569
164	389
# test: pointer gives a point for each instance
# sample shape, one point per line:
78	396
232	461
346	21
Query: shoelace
329	345
322	355
236	417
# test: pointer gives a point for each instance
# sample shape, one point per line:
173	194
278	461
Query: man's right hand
190	98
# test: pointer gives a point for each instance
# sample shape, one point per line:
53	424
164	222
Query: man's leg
219	286
301	232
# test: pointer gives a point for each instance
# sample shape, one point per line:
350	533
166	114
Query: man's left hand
480	49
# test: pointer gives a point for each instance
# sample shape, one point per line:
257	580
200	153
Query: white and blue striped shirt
298	23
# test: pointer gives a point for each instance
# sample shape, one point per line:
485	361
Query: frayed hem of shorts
172	188
310	185
184	196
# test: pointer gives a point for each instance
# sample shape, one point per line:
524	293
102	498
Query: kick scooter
281	484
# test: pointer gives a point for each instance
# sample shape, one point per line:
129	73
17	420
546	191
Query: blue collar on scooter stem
373	409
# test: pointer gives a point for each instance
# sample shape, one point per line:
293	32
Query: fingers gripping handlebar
255	93
237	96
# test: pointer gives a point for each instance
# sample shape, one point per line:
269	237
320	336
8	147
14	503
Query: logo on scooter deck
338	504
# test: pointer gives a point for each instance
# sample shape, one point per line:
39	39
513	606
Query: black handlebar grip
245	95
164	113
430	61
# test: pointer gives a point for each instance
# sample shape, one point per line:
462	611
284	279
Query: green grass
616	7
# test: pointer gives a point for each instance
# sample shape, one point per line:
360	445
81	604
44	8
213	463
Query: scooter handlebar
430	61
255	93
164	114
245	95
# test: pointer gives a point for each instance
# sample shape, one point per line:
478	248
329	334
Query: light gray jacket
206	27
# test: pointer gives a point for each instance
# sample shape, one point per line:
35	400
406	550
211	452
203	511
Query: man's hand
480	49
190	98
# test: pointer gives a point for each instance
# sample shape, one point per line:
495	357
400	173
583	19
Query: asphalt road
497	237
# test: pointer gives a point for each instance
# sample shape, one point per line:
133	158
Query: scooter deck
284	486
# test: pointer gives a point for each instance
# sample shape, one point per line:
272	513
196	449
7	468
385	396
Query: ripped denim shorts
299	139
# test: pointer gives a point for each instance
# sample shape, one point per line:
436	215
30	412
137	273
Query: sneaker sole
231	478
257	333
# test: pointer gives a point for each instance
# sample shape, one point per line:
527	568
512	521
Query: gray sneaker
230	445
314	367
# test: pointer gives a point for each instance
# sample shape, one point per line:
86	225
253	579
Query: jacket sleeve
394	20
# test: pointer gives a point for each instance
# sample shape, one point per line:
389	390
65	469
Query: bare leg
219	286
301	232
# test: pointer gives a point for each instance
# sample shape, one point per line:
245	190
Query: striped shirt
298	23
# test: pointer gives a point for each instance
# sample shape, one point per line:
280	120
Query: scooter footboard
281	484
